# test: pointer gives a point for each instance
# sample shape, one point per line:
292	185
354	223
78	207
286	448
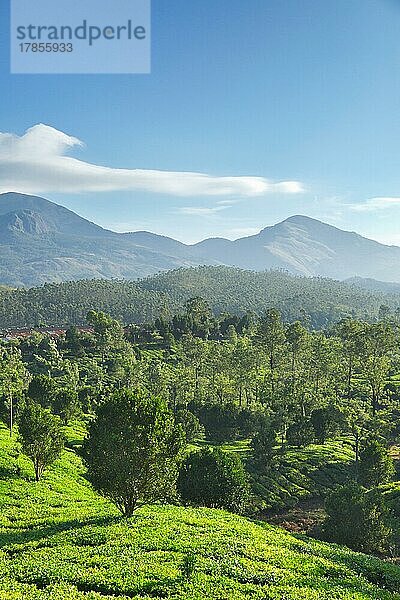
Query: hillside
374	285
60	540
226	289
43	242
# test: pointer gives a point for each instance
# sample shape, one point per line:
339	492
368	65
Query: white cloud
376	204
36	163
202	211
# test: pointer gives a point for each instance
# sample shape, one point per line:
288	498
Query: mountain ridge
41	241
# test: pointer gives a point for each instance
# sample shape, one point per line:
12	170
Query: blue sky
300	97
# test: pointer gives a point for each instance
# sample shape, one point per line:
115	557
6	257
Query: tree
263	444
375	466
378	343
271	334
42	389
350	333
66	404
190	424
357	519
200	317
108	331
297	339
132	449
220	421
41	436
214	478
327	422
13	379
300	432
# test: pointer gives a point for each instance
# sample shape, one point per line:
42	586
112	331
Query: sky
254	110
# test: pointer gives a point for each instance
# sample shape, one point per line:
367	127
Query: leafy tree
199	316
350	333
300	433
327	422
108	331
378	342
297	340
263	444
66	404
357	519
14	378
375	466
214	478
73	341
220	421
42	389
131	450
271	334
190	424
41	436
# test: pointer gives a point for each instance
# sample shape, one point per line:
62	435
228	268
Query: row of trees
135	454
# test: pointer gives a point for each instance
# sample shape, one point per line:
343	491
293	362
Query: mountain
41	241
305	246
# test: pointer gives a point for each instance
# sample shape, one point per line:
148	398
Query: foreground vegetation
60	540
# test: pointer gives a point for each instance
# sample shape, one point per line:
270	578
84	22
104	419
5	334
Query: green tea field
60	540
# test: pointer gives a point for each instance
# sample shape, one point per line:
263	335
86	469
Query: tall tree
41	436
132	448
14	378
271	336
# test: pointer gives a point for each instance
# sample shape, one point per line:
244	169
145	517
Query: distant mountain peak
302	219
57	217
42	241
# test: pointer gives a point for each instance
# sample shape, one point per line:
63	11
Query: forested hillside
320	301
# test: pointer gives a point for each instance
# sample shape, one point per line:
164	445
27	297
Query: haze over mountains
41	241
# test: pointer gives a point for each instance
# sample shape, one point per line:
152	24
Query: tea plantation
60	540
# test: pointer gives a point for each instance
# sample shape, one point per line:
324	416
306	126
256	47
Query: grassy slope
59	540
304	474
299	474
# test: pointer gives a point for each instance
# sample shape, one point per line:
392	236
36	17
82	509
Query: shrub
188	565
375	466
357	519
214	478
